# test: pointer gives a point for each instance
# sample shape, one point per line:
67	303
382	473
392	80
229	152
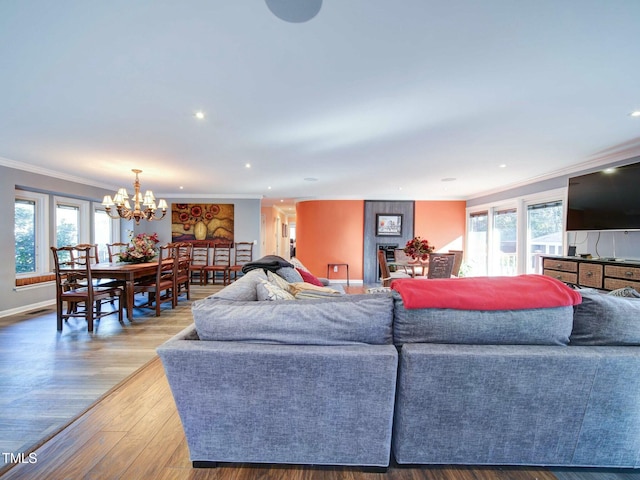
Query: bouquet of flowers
142	248
418	249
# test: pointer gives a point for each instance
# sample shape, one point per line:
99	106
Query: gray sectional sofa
346	380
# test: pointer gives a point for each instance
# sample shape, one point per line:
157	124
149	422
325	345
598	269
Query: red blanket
486	293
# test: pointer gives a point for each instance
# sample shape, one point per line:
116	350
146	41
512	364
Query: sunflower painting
202	221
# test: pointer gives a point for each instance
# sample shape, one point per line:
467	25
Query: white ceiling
374	99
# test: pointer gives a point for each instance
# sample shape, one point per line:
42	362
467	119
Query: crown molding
27	167
609	160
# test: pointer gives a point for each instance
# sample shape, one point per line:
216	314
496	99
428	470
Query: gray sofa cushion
603	319
344	320
538	326
244	288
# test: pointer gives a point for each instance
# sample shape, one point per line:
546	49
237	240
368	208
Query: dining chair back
114	249
75	288
457	262
243	254
220	263
440	265
199	259
86	252
160	287
181	253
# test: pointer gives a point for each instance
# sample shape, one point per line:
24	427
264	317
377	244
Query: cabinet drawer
628	273
562	276
616	283
590	275
563	265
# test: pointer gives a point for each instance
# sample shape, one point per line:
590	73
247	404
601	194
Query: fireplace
389	255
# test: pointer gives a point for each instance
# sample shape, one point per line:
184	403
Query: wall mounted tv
605	200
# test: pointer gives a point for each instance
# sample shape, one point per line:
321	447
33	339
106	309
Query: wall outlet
335	268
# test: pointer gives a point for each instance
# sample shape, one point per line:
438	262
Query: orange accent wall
331	231
442	223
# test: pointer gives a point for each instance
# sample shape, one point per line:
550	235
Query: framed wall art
388	225
202	221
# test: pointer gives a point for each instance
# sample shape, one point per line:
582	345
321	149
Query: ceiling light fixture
635	113
123	207
199	115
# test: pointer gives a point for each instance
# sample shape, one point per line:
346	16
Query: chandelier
137	213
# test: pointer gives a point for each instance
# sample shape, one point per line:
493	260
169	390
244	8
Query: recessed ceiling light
247	165
635	114
199	115
181	187
269	188
503	165
609	170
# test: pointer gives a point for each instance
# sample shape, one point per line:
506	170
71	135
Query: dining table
127	273
411	267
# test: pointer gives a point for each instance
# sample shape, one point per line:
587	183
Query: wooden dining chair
220	263
458	262
114	249
160	287
181	253
76	289
199	259
243	254
440	265
385	274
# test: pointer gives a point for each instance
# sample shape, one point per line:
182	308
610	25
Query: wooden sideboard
604	274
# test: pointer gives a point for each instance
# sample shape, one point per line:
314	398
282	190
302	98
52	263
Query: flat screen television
605	200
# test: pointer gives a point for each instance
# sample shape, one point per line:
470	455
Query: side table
331	265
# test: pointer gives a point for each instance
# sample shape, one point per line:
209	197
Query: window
544	233
30	227
72	221
504	259
477	243
25	234
510	237
105	230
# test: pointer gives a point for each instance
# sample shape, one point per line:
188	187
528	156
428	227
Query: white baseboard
26	308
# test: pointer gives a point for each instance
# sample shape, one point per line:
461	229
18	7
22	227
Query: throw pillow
290	274
302	290
278	281
603	319
271	292
309	278
243	289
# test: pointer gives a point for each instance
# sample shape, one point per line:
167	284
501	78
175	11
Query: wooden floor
134	432
47	378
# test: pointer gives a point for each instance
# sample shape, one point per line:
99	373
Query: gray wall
12	300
